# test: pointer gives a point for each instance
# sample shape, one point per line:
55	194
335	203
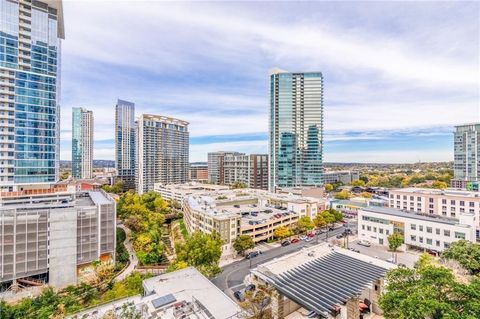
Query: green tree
337	215
319	221
202	251
116	188
257	304
467	254
395	240
328	217
282	232
304	224
439	185
243	243
238	184
366	195
344	194
429	292
358	182
328	188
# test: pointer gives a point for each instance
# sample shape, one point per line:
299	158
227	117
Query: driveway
407	258
131	254
232	275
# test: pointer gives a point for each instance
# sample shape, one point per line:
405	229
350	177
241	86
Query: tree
282	232
366	195
395	240
358	182
467	254
202	251
439	185
243	243
304	224
256	304
429	291
116	188
238	184
344	194
328	217
328	188
319	221
337	215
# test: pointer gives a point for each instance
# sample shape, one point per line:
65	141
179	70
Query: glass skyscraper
82	143
296	129
466	165
125	144
30	45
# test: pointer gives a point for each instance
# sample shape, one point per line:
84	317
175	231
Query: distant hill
96	164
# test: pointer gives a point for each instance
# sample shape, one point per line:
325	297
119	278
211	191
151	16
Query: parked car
390	260
250	287
340	236
239	296
312	234
295	240
254	214
308	239
330	228
252	255
365	243
236	206
302	237
285	243
268	211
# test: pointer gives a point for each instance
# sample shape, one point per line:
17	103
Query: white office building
430	232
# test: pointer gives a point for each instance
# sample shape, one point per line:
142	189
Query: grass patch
183	229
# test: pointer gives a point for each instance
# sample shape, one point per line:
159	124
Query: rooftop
424	217
432	191
338	275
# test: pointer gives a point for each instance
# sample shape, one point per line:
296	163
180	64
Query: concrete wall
63	247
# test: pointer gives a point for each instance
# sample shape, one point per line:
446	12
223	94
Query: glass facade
29	86
125	144
296	129
82	143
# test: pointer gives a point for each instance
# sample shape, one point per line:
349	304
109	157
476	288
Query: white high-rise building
466	166
163	146
296	129
82	143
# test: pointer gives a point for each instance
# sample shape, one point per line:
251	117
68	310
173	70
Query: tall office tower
216	166
30	45
125	146
466	166
82	143
162	151
296	129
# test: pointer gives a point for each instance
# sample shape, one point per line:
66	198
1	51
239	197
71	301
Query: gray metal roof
163	300
326	282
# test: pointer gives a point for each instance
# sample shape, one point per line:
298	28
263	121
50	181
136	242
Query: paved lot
232	275
407	258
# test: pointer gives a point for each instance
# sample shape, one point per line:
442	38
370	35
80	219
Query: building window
446	245
420	227
429	229
430	200
413	238
380	230
437	243
411	197
446	233
453	214
375	229
413	227
437	231
444	201
459	235
369	228
380	241
452	202
471	204
462	203
429	241
387	232
363	227
420	239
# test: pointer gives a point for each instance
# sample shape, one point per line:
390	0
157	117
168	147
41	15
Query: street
232	275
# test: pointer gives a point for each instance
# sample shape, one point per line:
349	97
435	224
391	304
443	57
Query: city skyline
395	85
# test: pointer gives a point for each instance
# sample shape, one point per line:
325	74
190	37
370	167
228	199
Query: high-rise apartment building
250	170
163	146
30	43
296	129
125	140
82	143
215	166
198	172
466	166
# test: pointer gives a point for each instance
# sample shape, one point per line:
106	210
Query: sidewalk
131	253
260	247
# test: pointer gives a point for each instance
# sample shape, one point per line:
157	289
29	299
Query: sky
397	75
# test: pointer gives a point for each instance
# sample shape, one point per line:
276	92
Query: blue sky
398	75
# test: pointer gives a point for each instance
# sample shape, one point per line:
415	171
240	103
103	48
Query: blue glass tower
296	129
30	45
